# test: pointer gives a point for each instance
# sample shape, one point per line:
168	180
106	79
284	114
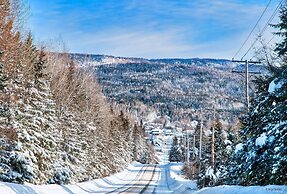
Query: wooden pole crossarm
247	62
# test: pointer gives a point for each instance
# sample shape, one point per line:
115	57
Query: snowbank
176	181
93	186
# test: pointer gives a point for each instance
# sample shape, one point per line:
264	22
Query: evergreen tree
209	175
29	56
281	47
40	65
3	77
221	143
176	152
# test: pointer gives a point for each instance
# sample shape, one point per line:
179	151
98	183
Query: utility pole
193	155
212	144
187	137
186	151
193	148
246	78
200	143
212	148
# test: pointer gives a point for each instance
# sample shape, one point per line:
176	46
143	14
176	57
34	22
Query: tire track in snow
141	171
137	186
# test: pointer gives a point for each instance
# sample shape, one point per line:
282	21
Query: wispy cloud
136	43
150	28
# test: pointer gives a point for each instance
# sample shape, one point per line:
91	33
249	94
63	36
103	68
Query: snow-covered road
137	178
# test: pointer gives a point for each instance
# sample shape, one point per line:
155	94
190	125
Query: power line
273	15
264	28
253	29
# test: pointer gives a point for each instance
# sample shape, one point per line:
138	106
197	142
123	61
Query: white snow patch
228	149
227	142
194	123
238	147
210	173
151	116
271	139
118	182
172	180
275	86
276	149
260	141
18	146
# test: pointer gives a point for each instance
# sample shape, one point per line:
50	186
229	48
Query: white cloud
134	42
223	11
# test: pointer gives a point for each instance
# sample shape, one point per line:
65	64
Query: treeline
55	124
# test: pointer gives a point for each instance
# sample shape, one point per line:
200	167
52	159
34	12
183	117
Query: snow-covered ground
163	155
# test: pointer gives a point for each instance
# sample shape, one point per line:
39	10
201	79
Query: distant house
169	131
156	131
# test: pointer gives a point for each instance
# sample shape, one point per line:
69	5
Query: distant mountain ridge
102	58
97	59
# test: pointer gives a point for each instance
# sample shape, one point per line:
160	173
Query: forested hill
178	88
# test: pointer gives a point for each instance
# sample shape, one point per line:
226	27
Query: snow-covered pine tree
205	162
136	135
222	143
142	151
122	133
222	151
176	152
281	47
204	178
210	176
261	157
3	77
29	57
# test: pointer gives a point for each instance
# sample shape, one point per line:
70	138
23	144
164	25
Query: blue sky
149	28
